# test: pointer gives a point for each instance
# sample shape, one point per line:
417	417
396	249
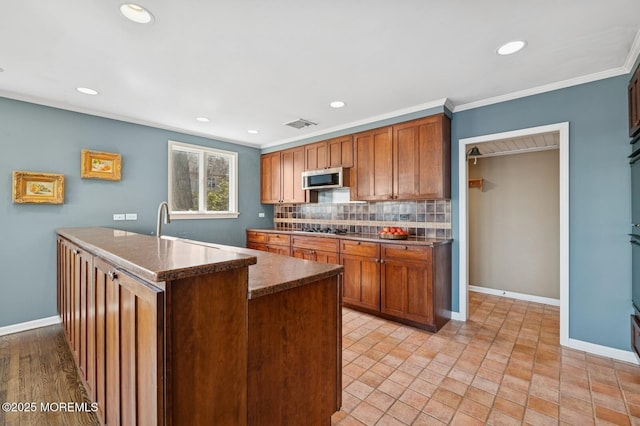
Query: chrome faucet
167	218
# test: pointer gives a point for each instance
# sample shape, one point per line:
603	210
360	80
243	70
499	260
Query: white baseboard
456	316
29	325
514	295
605	351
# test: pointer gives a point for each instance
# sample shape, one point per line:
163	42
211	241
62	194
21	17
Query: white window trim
233	183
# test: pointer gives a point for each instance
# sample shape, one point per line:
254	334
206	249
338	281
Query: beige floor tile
502	367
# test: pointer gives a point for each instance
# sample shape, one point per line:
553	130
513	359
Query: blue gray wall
44	139
599	197
49	140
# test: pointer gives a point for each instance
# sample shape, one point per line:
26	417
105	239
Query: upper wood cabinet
281	176
634	104
373	162
422	159
406	161
336	152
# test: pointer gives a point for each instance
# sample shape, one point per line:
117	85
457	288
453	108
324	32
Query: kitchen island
171	331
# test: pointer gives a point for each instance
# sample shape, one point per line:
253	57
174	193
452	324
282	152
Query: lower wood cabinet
144	367
361	277
408	283
415	283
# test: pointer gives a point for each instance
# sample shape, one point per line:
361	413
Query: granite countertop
412	239
273	272
155	259
169	258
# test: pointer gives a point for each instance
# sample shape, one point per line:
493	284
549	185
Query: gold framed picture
40	188
101	165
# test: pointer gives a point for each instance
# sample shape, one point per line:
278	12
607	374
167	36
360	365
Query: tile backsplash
431	218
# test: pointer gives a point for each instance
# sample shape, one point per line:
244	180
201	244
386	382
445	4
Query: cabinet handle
112	275
76	251
381	260
312	252
406	248
637	225
359	242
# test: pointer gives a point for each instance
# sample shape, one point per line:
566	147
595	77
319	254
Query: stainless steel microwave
337	177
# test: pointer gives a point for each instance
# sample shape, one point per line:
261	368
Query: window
202	182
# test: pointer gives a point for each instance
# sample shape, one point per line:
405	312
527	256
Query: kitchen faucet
167	218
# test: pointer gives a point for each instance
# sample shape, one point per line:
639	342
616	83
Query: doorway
465	145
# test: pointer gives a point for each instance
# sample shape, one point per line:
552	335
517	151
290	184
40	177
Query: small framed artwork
101	165
40	188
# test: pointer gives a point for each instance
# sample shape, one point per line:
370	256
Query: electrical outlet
131	216
261	214
118	216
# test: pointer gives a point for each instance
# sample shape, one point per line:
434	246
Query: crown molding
543	89
88	111
634	52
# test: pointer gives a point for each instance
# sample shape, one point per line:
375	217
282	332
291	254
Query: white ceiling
519	145
258	64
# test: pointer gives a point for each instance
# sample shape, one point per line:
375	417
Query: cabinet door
373	162
634	104
327	257
130	389
257	246
270	178
305	254
361	282
292	163
421	159
316	156
85	284
407	290
283	250
341	151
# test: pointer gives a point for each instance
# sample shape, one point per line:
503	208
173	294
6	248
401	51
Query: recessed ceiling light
336	104
202	119
136	13
87	91
511	47
253	131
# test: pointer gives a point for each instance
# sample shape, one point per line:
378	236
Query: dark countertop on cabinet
273	272
168	258
154	259
412	239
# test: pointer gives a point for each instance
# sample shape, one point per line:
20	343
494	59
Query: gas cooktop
325	230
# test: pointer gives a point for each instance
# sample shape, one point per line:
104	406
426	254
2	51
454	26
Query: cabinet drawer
279	239
315	243
256	237
360	248
406	252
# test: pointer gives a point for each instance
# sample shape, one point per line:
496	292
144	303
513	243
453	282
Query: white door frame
563	129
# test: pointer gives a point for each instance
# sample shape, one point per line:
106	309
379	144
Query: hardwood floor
36	367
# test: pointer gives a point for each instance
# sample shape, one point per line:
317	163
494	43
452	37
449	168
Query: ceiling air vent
300	123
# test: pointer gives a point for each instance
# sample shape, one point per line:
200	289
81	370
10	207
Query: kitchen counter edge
412	239
151	258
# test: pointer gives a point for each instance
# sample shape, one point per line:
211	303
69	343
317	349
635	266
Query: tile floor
504	366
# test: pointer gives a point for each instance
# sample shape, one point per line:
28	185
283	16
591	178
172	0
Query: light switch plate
118	216
261	214
131	216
